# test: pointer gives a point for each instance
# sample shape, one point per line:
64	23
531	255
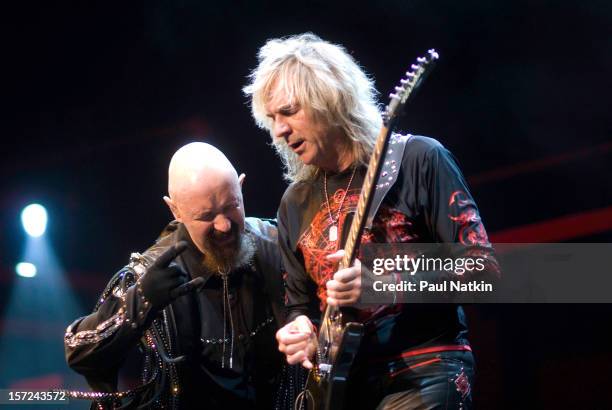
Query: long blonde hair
325	79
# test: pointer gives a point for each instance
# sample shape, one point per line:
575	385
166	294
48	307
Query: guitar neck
398	100
365	198
363	208
407	87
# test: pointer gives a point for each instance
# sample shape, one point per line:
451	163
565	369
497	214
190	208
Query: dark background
98	97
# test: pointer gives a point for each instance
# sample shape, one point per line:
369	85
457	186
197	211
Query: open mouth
296	145
225	240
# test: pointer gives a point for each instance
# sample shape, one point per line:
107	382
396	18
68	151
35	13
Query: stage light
34	220
33	313
26	269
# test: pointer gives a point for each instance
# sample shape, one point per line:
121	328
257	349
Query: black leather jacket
185	345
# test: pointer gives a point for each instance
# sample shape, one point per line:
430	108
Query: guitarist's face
311	139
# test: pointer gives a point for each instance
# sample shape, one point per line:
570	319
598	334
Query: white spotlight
34	220
26	269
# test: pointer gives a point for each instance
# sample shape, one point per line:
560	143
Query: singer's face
213	215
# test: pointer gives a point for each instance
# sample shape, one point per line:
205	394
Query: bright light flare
26	269
34	220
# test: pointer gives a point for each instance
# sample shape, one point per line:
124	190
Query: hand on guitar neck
345	287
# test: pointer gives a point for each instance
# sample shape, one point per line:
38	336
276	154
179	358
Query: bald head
194	166
205	195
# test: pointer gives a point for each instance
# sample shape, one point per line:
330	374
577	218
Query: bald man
203	303
206	196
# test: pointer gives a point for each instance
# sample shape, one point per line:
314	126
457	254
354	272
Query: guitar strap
388	173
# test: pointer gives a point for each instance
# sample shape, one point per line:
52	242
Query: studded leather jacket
208	349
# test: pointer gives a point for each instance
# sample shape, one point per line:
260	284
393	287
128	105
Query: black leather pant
441	380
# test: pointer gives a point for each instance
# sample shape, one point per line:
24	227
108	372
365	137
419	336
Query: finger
307	364
292	338
169	254
346	275
298	357
284	331
341	295
336	256
185	288
279	334
302	324
341	302
297	347
295	358
331	301
174	271
336	286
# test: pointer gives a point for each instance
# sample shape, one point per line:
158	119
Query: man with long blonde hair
321	110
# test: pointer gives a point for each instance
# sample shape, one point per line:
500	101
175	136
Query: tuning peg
415	67
404	82
433	54
399	89
410	74
394	96
421	60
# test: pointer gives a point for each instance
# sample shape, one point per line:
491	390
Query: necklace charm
333	229
333	233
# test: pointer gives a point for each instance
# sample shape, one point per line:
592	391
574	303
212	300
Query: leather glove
164	280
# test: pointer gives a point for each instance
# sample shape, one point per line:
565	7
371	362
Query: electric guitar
339	338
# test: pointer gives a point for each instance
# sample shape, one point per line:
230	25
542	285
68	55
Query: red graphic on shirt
315	244
462	384
389	226
471	231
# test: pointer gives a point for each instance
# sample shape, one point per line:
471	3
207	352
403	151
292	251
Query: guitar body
328	391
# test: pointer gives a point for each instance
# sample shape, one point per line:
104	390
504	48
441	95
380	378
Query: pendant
333	233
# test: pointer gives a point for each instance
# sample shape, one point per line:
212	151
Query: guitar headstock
408	84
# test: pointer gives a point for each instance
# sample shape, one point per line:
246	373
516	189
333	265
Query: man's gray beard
215	263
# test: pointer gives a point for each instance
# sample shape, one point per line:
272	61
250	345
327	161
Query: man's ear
241	179
173	208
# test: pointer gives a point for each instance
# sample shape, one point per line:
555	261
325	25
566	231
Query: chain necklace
333	229
227	306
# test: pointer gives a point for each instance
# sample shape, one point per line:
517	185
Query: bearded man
205	349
